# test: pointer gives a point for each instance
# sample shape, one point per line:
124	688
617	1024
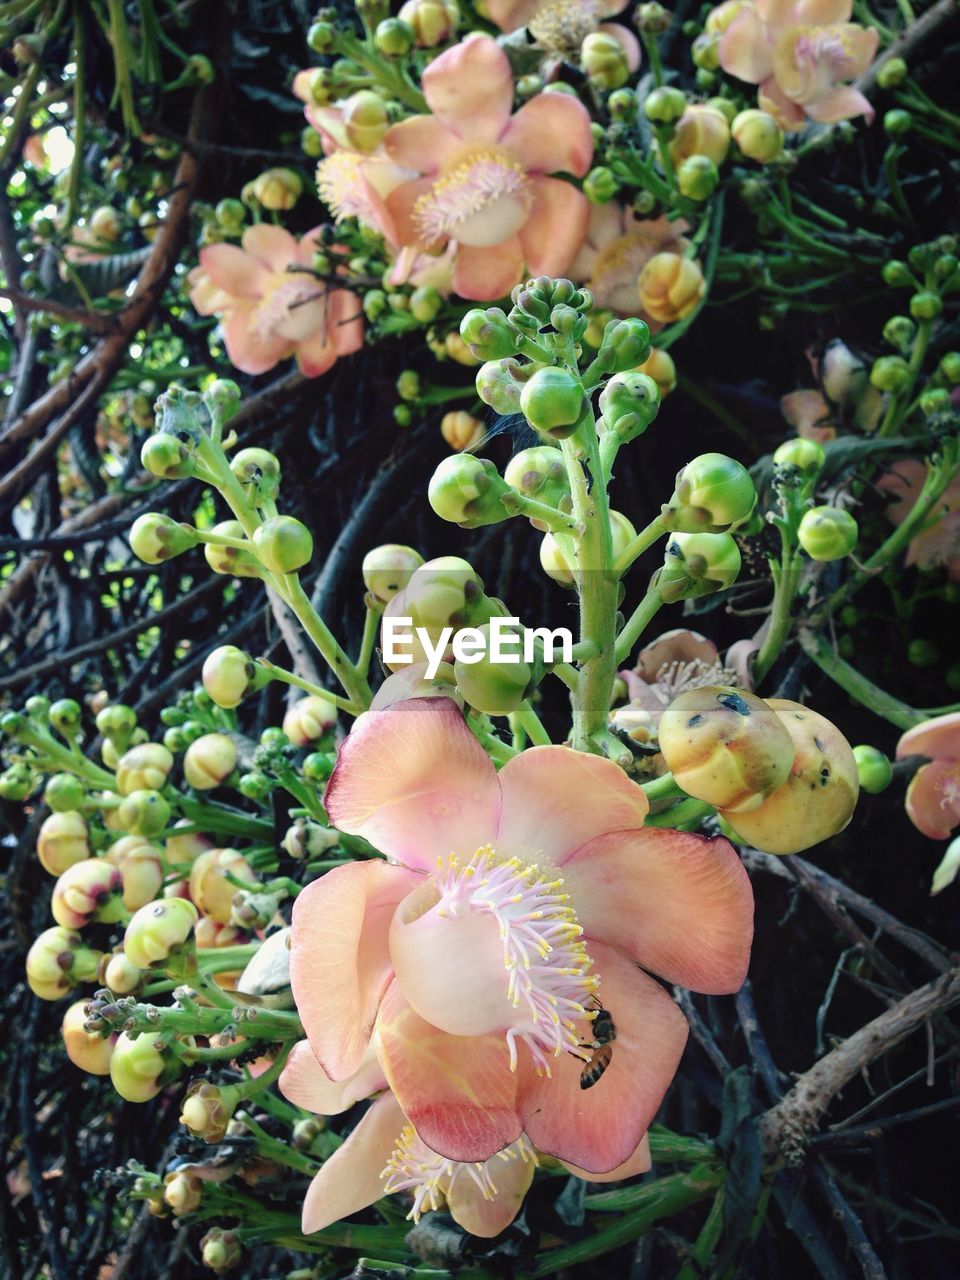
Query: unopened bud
58	961
210	889
697	177
873	769
466	490
166	456
393	37
604	61
494	688
117	722
283	544
758	135
628	404
182	1192
309	840
207	1110
890	373
365	120
827	533
804	456
65	716
697	564
89	890
309	719
501	382
558	564
235	561
16	783
219	1249
143	768
159	931
388	569
278	189
664	105
258	470
660	366
155	538
63	841
488	333
181	849
63	792
431	21
461	430
539	473
702	131
144	813
87	1050
229	675
120	975
670	287
141	868
713	493
552	401
209	761
138	1067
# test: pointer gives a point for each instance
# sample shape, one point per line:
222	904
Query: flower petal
744	48
350	1178
555	800
275	247
305	1083
550	134
316	354
938	739
510	15
414	781
483	275
679	904
457	1091
639	1162
232	270
400	227
933	799
804	409
600	1128
250	351
422	143
345	322
843	103
556	227
488	1217
339	961
470	88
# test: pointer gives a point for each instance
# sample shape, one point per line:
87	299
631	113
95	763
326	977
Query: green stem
680	815
353	682
786	579
664	788
517	504
298	682
644	539
858	686
79	120
368	641
532	726
637	623
705	1243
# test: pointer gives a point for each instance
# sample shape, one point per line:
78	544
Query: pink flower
471	960
617	248
668	666
800	53
561	26
809	415
269	310
939	543
385	1154
483	181
933	796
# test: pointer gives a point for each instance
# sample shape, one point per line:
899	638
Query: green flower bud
725	746
900	331
16	783
231	214
539	473
117	722
86	1049
393	37
890	373
364	118
625	344
758	135
159	931
58	961
664	105
628	404
220	1250
320	36
209	761
277	189
466	490
604	61
182	1192
62	841
552	401
827	533
897	275
255	786
283	544
144	813
805	456
600	185
558	565
494	688
925	305
946	266
488	333
258	470
501	382
425	304
143	768
89	890
697	177
37	708
229	675
820	794
155	538
207	1110
891	73
309	719
697	564
138	1067
897	122
387	570
922	653
65	715
950	366
233	561
374	304
705	51
933	401
166	456
443	592
713	493
622	105
317	767
652	18
873	769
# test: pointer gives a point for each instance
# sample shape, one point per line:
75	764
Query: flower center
481	201
824	54
677	677
613	278
341	187
293	306
414	1167
492	944
563	25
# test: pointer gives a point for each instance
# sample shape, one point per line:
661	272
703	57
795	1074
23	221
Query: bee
601	1048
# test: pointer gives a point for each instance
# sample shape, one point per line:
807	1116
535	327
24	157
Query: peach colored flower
670	665
561	26
385	1154
483	181
268	309
939	544
470	961
617	248
809	415
933	796
801	53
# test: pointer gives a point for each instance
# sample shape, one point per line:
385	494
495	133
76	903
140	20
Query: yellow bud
137	1066
181	850
158	930
182	1192
818	797
210	889
725	746
458	350
702	130
209	761
309	719
660	366
85	1049
461	430
278	189
58	961
89	890
143	768
388	569
141	867
670	287
558	564
120	975
62	841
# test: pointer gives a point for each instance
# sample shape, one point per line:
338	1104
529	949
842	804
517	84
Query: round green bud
311	143
500	383
402	415
364	119
950	366
805	456
539	473
258	470
220	1250
408	385
652	18
604	61
165	456
713	493
925	305
493	688
896	274
143	768
277	189
37	708
374	304
552	401
117	722
387	570
159	930
558	565
622	105
425	304
255	786
65	715
488	333
155	538
209	761
137	1066
228	675
890	373
874	769
317	766
697	564
600	185
899	331
628	404
231	214
897	122
758	135
935	400
16	783
234	561
320	36
697	177
922	653
466	490
705	51
309	719
393	37
664	105
946	266
891	73
283	544
144	813
58	961
827	533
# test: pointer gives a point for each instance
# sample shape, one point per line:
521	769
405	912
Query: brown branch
917	34
95	321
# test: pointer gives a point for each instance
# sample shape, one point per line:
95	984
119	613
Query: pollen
562	25
341	186
482	201
414	1167
546	963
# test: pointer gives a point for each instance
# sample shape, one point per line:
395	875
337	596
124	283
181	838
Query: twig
95	321
918	33
870	1264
